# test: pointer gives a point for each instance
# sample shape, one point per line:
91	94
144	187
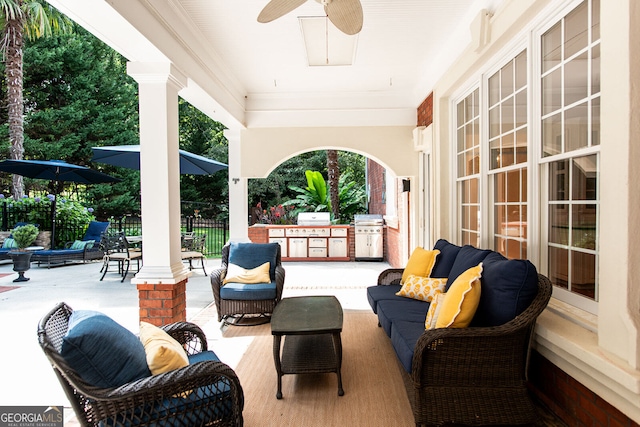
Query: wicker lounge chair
249	304
206	392
84	250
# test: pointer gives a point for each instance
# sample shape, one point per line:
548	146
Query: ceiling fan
346	15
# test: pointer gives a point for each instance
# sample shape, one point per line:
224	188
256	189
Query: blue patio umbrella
128	156
55	170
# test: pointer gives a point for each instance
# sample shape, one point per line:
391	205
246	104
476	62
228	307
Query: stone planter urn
24	236
21	263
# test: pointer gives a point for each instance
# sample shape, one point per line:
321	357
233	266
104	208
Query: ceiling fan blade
277	8
346	15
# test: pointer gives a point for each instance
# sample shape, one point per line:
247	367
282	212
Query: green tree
78	95
20	18
202	135
315	197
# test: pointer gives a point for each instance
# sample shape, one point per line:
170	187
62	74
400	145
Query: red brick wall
377	187
425	111
574	403
162	304
258	234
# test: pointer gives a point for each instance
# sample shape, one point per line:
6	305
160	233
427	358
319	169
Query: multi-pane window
570	131
508	127
566	146
468	166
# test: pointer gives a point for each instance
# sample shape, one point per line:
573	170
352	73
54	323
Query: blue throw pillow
446	258
102	352
468	256
508	288
252	255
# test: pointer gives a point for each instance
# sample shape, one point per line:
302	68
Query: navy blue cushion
377	293
468	257
102	352
404	336
252	255
95	230
446	258
54	252
390	311
248	291
508	288
203	356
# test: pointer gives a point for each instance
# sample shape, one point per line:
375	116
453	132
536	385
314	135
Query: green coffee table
312	326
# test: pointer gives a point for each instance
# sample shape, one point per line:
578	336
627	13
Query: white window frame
536	165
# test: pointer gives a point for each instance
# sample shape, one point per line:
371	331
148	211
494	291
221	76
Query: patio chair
246	298
82	346
193	249
115	248
86	249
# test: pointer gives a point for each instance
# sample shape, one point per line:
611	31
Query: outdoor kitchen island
313	239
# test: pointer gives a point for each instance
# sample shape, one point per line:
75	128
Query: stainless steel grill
314	218
369	237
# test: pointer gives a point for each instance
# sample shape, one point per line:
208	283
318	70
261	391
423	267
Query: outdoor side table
312	326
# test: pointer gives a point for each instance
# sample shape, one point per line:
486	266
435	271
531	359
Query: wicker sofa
111	384
474	375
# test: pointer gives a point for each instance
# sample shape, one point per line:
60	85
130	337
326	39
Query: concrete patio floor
27	377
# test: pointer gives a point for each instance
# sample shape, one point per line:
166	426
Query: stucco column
162	278
238	192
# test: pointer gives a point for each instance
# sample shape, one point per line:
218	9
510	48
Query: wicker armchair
203	393
247	311
477	375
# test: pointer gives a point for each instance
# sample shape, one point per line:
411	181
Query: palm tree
20	18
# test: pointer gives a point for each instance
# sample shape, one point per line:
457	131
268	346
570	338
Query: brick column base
162	304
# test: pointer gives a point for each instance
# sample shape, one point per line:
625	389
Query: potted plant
24	236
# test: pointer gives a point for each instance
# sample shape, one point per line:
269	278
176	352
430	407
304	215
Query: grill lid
368	219
314	218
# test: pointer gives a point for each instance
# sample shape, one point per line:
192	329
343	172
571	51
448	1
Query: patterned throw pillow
9	243
422	288
81	244
461	300
434	311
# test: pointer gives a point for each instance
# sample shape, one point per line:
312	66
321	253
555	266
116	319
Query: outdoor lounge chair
239	303
89	345
83	250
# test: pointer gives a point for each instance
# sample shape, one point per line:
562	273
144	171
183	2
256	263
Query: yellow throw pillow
163	352
434	311
461	300
237	274
420	263
422	288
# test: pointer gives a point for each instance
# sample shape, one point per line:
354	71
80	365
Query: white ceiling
250	68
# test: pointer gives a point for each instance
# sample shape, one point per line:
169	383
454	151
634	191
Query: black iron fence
216	230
